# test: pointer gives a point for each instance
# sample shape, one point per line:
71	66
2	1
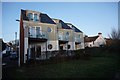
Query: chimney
99	34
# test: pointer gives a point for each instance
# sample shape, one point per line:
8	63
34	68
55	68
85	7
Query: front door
61	50
33	52
38	51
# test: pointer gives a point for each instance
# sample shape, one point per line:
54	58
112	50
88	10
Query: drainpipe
46	50
67	48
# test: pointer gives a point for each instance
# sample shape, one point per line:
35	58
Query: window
60	36
32	31
36	17
67	33
38	31
30	16
68	46
49	29
73	29
50	46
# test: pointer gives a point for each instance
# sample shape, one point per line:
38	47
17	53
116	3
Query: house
112	42
14	42
78	37
95	41
42	37
65	36
109	41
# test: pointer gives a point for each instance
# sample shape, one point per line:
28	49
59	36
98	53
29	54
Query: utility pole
15	37
16	41
119	19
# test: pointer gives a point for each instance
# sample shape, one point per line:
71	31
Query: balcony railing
41	35
63	37
77	40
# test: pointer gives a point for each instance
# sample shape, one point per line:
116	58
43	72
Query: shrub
115	36
82	54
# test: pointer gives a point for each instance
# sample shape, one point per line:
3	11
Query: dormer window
30	16
36	17
33	17
73	29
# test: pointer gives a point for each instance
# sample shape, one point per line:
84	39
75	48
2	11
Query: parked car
14	56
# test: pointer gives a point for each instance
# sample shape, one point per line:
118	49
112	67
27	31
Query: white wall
25	48
65	46
55	45
89	44
43	46
82	46
72	45
99	41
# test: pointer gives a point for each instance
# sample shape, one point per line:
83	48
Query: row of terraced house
42	37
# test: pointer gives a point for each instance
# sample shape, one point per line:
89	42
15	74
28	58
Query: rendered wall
55	45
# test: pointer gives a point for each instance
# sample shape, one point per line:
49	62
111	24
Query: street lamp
18	20
16	46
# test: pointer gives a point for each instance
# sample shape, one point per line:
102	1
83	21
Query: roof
90	39
44	18
23	13
75	28
64	25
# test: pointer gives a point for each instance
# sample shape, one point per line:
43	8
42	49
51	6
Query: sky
60	0
89	17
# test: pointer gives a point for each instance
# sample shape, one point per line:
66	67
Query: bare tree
115	40
115	34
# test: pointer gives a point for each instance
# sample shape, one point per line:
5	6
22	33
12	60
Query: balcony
42	35
63	35
77	40
63	38
37	33
35	37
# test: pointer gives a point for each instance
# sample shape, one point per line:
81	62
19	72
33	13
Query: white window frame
33	14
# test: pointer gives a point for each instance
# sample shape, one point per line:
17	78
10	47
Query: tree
115	34
115	37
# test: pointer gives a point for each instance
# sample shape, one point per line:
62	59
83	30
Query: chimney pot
99	34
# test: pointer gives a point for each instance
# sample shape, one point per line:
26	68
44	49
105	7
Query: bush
82	54
115	36
114	47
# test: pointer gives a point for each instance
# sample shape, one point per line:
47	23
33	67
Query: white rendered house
95	41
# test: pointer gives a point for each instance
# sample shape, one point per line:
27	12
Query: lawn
96	67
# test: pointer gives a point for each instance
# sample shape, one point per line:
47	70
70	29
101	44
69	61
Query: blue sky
90	17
